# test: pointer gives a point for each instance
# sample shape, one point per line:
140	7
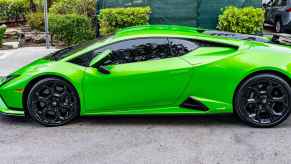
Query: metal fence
202	13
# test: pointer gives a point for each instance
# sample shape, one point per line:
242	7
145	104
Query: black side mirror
100	58
103	70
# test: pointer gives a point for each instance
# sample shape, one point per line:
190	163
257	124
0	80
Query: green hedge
12	9
35	20
71	29
82	7
38	4
112	19
2	31
248	20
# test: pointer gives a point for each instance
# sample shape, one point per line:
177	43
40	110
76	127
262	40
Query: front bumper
4	110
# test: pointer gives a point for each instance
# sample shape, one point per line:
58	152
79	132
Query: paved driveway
10	60
142	140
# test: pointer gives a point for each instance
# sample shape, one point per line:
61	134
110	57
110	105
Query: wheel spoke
53	102
272	112
279	99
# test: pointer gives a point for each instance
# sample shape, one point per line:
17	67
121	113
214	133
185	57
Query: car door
143	74
278	9
268	11
274	10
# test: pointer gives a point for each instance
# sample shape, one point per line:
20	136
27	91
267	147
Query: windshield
63	53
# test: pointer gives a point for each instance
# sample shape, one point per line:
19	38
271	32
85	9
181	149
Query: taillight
289	10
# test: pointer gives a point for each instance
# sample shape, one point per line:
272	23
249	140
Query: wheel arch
37	79
259	72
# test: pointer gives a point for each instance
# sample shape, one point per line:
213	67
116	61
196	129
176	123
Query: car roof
157	29
171	31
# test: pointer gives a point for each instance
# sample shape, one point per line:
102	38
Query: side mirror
103	70
99	60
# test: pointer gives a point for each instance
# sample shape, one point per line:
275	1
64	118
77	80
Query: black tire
263	101
53	102
279	28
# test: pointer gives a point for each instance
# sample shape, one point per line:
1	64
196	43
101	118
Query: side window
276	2
181	47
284	2
137	50
280	3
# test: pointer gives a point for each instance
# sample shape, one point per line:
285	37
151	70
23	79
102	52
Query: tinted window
137	50
281	3
276	3
181	47
63	53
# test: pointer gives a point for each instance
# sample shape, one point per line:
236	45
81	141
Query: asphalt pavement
218	139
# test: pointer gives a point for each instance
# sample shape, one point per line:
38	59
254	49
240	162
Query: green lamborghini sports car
156	70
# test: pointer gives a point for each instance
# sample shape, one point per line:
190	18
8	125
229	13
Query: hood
37	64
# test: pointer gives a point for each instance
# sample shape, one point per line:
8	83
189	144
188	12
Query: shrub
37	5
36	20
82	7
248	20
112	19
71	29
12	9
2	31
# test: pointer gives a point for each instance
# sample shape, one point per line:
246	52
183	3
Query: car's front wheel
263	101
52	102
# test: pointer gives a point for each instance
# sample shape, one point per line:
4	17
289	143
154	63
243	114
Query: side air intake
192	103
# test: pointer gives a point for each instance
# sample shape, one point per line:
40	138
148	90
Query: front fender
13	92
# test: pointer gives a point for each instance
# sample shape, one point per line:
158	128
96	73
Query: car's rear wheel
52	102
279	26
263	101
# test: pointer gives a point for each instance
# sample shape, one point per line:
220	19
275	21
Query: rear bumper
4	110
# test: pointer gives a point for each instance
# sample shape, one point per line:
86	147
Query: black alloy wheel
263	101
53	102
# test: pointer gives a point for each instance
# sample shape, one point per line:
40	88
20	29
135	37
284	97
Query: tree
32	6
37	5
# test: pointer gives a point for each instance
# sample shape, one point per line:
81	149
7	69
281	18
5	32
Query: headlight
6	79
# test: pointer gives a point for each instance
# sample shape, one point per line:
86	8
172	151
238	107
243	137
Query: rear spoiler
284	39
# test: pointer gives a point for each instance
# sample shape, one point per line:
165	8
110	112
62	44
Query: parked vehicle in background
278	14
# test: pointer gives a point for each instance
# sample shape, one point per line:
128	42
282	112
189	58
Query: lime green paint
208	74
100	57
4	109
